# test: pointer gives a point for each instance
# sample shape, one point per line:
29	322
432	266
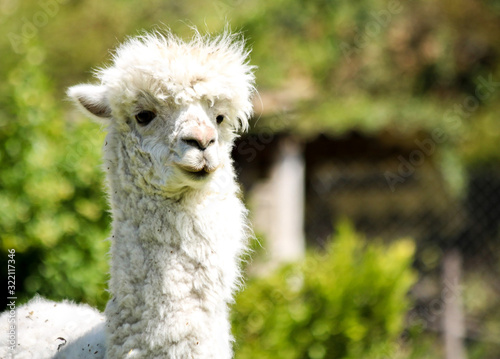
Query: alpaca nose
200	138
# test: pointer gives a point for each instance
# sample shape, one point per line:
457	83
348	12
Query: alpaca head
174	106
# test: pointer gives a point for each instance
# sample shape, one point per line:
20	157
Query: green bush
348	302
52	207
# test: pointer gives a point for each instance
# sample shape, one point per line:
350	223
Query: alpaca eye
144	117
219	119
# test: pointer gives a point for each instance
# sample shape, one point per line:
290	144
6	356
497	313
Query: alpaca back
46	329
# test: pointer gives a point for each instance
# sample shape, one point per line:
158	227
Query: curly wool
179	228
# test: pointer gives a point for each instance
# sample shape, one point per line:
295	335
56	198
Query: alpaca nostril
198	143
191	142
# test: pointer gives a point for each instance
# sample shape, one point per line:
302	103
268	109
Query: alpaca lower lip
197	174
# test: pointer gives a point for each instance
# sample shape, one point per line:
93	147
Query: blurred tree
373	63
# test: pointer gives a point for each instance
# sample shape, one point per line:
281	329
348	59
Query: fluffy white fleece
179	227
44	326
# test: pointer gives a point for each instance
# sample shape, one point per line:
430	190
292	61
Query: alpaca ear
91	99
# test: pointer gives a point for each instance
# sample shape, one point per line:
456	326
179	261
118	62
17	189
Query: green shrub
348	302
52	206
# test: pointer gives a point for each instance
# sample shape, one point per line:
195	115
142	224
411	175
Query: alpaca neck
174	267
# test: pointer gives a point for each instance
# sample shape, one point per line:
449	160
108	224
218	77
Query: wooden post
286	230
453	317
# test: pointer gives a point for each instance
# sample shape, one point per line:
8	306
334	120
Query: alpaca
172	109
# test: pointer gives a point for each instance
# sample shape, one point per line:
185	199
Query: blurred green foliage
376	65
347	302
52	209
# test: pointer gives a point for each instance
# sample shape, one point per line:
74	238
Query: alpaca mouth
198	175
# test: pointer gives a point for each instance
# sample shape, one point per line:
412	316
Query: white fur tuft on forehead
211	68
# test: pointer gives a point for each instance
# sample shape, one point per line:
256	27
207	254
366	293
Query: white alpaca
172	110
